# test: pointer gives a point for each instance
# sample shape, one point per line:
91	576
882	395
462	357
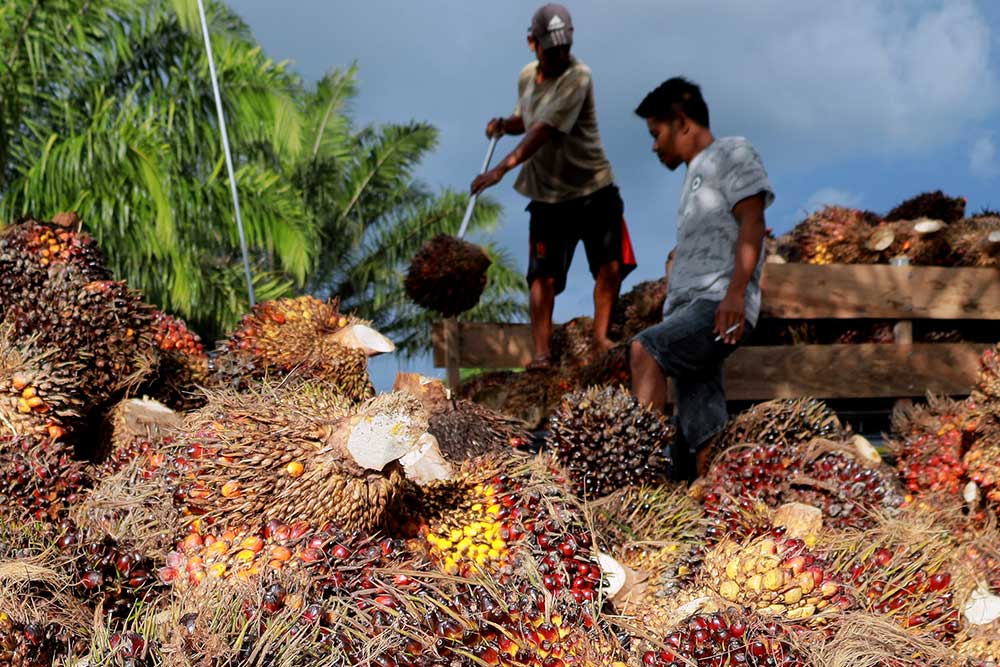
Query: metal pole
473	198
225	148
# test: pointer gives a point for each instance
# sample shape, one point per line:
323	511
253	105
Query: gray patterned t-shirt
723	174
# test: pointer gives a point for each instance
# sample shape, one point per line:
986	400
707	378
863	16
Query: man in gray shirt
713	292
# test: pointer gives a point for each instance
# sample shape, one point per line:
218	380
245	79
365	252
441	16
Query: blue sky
861	102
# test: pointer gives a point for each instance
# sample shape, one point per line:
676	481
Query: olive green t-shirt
572	163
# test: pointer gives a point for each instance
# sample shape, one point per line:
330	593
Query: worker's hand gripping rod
473	198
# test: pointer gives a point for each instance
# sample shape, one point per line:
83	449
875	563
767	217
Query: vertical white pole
225	148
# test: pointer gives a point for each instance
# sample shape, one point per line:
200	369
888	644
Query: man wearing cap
567	177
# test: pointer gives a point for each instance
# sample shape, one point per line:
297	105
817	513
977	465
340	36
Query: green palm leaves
106	108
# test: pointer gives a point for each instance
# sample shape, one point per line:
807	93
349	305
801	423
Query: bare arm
537	135
749	213
498	127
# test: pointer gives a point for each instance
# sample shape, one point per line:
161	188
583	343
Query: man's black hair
673	97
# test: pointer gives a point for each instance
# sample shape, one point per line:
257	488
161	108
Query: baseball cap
552	26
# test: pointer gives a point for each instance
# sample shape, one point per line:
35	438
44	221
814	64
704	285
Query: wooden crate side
852	371
486	345
879	291
757	373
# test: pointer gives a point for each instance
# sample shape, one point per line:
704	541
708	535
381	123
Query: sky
859	102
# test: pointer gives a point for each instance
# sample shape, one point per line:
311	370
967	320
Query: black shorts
555	229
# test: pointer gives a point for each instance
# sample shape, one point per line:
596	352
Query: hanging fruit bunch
447	275
606	440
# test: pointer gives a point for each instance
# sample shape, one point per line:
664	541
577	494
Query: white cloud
983	158
817	80
831	197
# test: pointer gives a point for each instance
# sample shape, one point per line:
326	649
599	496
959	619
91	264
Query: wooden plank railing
800	291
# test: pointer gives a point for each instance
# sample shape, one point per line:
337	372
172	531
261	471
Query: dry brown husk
864	640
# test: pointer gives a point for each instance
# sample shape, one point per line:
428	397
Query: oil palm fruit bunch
845	487
40	392
903	568
573	342
823	474
303	333
138	428
639	308
463	428
783	422
31	644
610	368
253	458
106	570
183	363
736	517
607	440
833	235
775	576
655	530
975	241
336	562
726	639
987	387
447	275
101	323
40	476
933	205
983	465
929	442
495	524
30	247
469	429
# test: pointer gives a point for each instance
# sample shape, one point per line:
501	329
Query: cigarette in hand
727	332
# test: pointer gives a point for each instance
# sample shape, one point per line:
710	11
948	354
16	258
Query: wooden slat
852	371
486	345
880	291
759	373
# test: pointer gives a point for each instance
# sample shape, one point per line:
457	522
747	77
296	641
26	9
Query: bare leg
606	287
541	301
649	384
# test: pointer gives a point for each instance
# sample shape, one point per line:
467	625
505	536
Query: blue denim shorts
684	346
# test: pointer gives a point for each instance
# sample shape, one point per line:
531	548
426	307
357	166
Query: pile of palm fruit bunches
272	509
928	229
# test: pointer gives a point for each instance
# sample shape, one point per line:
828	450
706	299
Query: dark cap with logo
552	26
